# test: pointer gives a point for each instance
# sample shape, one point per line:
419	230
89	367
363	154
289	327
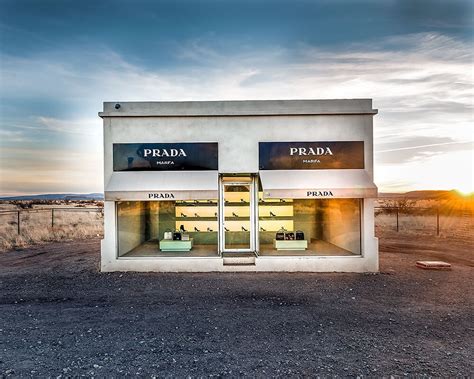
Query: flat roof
237	108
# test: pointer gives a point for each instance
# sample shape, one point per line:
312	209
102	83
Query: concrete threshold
238	259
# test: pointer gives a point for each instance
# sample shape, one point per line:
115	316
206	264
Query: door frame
253	215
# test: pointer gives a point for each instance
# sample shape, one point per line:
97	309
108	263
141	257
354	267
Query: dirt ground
60	317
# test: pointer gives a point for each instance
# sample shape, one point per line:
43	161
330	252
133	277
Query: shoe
272	214
196	229
209	229
243	229
234	214
262	230
227	230
183	215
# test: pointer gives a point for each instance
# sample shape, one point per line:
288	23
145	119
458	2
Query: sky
59	60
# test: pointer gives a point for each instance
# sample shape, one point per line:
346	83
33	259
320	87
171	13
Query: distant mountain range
426	194
58	196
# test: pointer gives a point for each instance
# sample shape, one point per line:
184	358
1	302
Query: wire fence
425	220
437	221
22	217
409	211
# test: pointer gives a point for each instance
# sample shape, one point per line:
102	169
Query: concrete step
239	260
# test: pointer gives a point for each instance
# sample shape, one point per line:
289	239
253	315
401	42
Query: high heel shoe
196	229
183	215
235	214
243	229
272	214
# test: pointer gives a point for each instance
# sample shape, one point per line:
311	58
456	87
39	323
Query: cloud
417	148
91	126
421	83
11	136
45	170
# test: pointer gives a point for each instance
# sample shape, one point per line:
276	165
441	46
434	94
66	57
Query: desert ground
61	317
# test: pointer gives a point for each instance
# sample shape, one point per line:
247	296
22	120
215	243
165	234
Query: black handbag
176	236
299	235
280	235
290	236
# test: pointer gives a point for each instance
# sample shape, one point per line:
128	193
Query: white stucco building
239	186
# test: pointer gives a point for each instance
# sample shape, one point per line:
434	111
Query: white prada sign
310	151
164	153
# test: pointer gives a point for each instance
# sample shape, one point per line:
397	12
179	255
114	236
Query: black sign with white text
165	156
311	155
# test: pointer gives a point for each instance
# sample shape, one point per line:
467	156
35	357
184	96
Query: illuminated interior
142	226
318	226
314	226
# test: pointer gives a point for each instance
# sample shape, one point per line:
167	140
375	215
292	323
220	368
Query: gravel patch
60	317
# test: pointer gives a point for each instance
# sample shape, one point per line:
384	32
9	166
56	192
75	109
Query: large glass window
310	227
167	228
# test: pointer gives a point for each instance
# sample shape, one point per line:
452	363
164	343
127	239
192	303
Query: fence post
52	217
397	220
437	221
18	222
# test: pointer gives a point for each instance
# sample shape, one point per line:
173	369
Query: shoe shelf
196	218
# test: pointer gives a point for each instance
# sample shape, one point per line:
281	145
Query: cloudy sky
59	60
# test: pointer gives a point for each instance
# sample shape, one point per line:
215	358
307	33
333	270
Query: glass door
238	216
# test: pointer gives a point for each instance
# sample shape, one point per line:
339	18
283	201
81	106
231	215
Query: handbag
184	236
299	234
168	235
290	236
280	235
177	236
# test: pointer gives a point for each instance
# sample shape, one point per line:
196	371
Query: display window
323	227
167	228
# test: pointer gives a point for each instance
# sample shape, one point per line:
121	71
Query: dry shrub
36	228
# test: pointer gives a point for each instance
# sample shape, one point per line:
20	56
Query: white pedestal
290	244
171	245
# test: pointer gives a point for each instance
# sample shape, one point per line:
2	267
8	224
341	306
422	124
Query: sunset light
419	77
236	188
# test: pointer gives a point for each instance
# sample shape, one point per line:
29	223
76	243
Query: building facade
239	186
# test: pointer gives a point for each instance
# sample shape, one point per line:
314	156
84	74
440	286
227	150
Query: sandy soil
60	316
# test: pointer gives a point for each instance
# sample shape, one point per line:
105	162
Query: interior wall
341	223
153	220
166	218
306	218
131	220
